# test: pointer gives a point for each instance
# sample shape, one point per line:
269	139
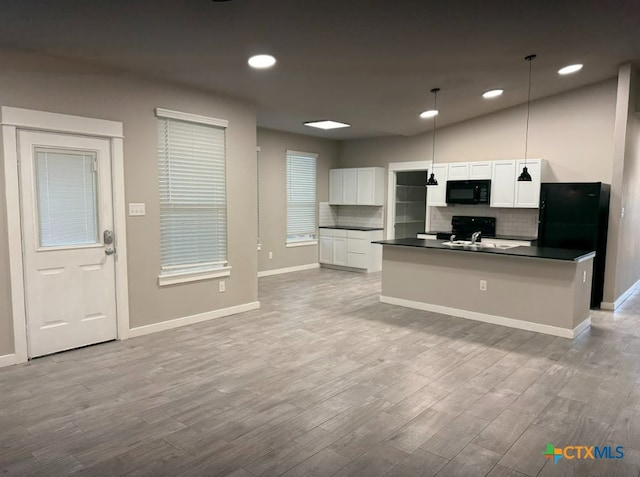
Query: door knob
109	250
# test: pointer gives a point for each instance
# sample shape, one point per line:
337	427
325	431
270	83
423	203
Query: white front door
67	220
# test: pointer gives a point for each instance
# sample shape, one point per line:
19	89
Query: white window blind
193	204
66	191
301	196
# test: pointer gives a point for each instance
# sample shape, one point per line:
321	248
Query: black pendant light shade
525	176
432	181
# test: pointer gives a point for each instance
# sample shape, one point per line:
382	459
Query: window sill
175	278
302	243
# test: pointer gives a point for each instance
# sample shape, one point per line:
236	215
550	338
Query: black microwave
468	192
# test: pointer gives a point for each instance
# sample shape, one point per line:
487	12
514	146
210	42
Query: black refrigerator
576	216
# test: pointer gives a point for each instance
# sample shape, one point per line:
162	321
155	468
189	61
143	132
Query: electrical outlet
622	213
584	276
136	209
222	286
483	285
270	255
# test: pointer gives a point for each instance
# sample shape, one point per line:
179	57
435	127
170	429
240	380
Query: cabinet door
349	186
326	249
366	186
503	179
436	195
357	260
458	171
339	251
336	195
480	170
527	194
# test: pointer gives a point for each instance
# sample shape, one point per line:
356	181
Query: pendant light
525	176
432	178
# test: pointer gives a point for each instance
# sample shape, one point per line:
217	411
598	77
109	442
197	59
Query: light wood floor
325	380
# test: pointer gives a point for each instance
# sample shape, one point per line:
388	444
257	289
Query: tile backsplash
517	222
350	215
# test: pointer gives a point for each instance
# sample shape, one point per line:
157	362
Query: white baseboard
607	305
8	360
493	319
193	319
278	271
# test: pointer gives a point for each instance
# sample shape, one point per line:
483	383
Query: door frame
394	168
14	119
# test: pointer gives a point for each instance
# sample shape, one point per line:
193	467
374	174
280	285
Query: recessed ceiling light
327	124
567	70
494	93
262	61
429	114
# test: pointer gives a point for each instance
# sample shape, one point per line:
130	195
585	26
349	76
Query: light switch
136	209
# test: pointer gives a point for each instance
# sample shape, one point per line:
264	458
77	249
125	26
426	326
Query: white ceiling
370	63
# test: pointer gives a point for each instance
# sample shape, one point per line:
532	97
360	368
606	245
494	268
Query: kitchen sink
474	246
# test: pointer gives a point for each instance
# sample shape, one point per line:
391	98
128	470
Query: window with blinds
66	194
301	197
193	203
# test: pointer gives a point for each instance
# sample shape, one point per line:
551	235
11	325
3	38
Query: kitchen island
540	289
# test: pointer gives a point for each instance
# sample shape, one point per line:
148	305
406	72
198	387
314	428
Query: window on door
301	198
193	199
66	197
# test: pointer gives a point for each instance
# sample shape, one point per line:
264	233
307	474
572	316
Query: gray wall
51	84
623	259
273	215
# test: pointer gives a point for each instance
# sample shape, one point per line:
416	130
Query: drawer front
357	245
332	233
358	234
356	260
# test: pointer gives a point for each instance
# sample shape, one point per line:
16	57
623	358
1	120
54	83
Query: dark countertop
498	237
350	227
527	252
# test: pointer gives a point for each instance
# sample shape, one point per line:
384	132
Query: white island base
543	295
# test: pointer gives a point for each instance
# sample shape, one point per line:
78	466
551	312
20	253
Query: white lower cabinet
351	248
339	251
326	249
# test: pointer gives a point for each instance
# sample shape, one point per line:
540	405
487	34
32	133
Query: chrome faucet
475	237
452	238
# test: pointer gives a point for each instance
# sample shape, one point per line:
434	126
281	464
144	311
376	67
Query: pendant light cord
433	138
529	58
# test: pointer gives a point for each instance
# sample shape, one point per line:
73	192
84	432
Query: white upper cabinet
350	186
336	193
370	186
356	186
506	191
527	194
458	171
480	170
437	195
503	183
